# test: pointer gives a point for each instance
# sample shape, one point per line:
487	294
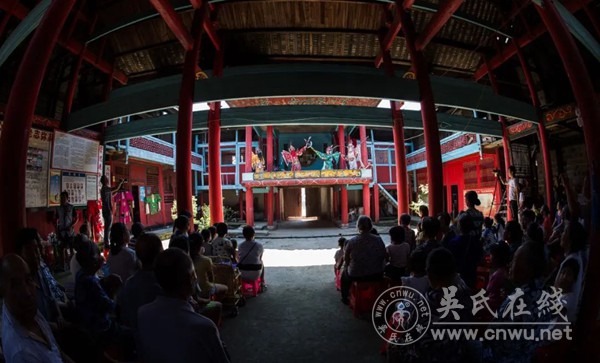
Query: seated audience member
339	254
397	254
442	276
418	277
137	229
566	280
513	235
121	259
364	256
488	236
571	272
447	231
181	226
546	222
83	245
498	287
49	292
525	273
471	201
500	227
26	335
467	250
423	213
251	265
204	270
213	233
409	234
527	217
430	228
141	288
535	234
169	329
180	241
206	236
222	245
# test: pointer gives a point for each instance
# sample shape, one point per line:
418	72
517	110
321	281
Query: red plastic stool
364	294
251	288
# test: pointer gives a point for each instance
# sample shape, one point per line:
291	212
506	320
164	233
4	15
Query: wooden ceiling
267	31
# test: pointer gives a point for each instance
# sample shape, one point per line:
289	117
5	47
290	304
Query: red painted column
376	203
343	190
215	192
161	191
269	202
505	142
400	156
498	186
248	169
18	119
183	143
365	159
541	129
428	113
589	107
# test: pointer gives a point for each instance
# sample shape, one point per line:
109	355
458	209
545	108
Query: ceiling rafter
73	46
510	50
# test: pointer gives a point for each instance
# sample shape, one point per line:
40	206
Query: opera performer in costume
328	157
258	162
292	155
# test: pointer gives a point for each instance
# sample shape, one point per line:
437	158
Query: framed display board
75	153
36	170
54	188
75	184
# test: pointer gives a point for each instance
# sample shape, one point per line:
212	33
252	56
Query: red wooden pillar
343	189
183	143
589	107
400	156
215	192
269	202
248	169
430	126
505	142
541	129
161	191
18	119
376	203
365	160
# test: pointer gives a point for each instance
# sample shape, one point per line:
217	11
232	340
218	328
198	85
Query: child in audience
498	287
397	254
488	236
417	278
500	226
409	234
137	229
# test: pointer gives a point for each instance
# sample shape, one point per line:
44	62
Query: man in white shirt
168	329
512	193
251	252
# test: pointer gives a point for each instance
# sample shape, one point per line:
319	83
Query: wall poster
36	169
74	153
91	187
54	188
75	185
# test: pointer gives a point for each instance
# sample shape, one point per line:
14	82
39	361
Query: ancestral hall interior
268	111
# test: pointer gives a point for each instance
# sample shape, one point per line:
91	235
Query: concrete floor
300	318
